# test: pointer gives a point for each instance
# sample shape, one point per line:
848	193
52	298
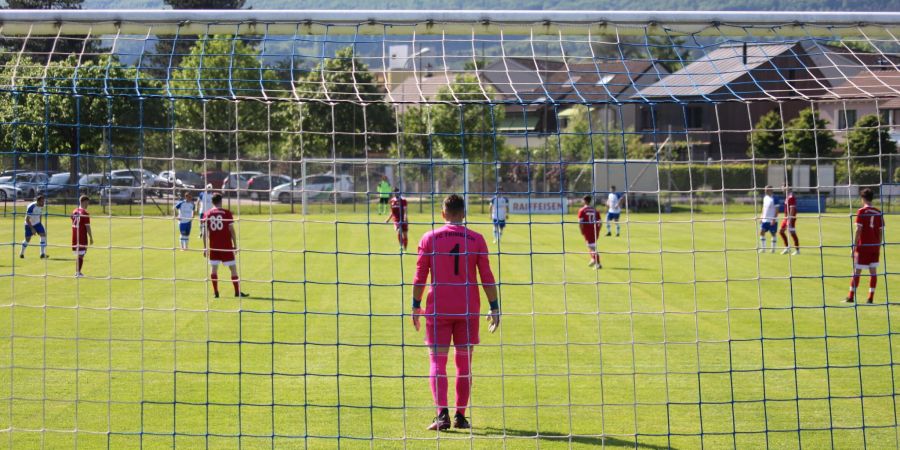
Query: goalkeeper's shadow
553	436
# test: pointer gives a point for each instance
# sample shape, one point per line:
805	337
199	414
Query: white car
318	187
122	190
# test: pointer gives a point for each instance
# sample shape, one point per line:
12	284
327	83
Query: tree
344	113
414	140
869	138
807	136
43	45
463	125
78	110
767	137
169	51
211	111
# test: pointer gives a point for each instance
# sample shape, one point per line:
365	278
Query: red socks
463	379
438	380
784	238
796	241
80	262
215	282
873	281
237	285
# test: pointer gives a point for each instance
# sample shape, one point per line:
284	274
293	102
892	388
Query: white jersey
769	211
34	213
499	206
185	211
612	202
205	202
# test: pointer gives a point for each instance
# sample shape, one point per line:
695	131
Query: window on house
846	118
694	117
646	118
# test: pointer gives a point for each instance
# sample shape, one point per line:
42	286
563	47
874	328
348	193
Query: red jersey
870	221
217	221
398	209
80	221
790	207
451	254
588	220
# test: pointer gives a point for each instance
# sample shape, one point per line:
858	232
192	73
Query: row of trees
808	136
222	103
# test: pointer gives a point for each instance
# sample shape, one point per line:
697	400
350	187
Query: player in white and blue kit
613	210
499	209
205	204
33	225
768	220
184	213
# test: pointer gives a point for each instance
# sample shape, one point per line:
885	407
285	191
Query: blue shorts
500	223
612	216
39	227
185	228
767	226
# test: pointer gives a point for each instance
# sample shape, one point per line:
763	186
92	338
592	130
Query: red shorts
866	257
590	238
222	256
401	226
788	224
79	249
446	331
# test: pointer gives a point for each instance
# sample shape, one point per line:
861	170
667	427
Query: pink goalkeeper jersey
451	254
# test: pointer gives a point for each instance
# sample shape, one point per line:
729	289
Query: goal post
681	321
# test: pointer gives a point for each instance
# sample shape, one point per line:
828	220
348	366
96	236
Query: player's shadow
560	438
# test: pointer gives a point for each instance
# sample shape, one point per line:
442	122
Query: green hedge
711	176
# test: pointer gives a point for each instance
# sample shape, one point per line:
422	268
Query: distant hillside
687	5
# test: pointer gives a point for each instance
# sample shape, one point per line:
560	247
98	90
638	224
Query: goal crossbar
403	22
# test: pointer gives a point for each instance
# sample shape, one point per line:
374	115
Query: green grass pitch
686	337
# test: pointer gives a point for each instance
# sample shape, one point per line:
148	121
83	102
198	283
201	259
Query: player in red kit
220	244
589	223
452	255
400	218
866	245
789	223
81	233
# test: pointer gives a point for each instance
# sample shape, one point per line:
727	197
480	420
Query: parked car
216	178
122	190
317	187
150	181
92	183
30	183
238	181
62	184
8	192
183	179
9	173
260	186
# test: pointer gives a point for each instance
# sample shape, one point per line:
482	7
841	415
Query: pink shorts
444	332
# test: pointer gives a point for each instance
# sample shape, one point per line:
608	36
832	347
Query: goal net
702	328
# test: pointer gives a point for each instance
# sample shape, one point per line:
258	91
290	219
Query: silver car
318	187
239	181
8	192
122	190
28	184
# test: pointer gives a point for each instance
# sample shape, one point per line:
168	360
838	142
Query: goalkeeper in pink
451	254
